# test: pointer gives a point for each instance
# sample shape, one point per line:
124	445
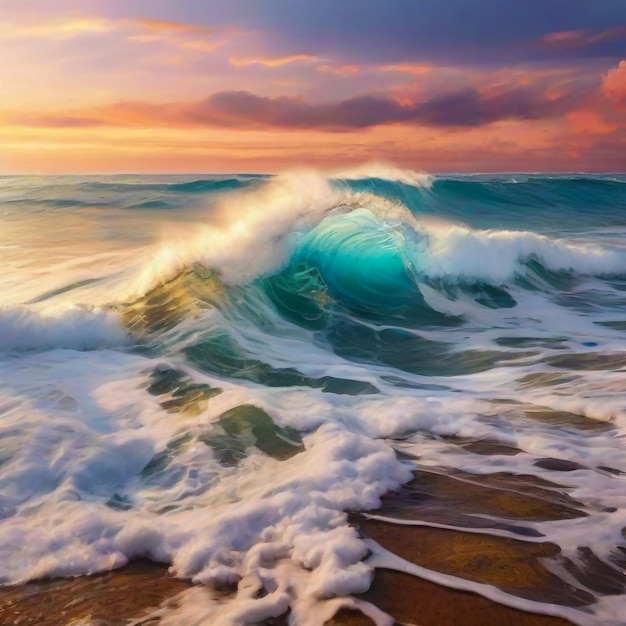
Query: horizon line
277	173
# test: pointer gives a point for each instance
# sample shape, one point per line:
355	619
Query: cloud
569	39
589	122
167	26
614	84
361	32
415	69
463	108
470	107
189	36
440	32
339	70
58	29
274	61
142	30
52	121
245	109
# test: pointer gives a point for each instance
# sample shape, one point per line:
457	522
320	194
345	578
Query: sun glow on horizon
147	90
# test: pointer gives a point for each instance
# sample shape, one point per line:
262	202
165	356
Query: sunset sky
260	85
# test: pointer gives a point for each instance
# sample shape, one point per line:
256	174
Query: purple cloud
464	108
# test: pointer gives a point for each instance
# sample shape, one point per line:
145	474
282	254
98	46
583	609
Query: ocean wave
25	329
572	193
317	244
247	235
360	241
455	252
201	185
386	172
294	350
160	193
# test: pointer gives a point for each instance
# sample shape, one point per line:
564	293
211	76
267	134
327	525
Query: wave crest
23	329
453	252
361	241
250	232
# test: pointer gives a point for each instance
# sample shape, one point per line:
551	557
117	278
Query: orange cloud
582	38
141	30
166	26
589	122
408	68
55	29
189	36
339	70
463	108
513	146
274	61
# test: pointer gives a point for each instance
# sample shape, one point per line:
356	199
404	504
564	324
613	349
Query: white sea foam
384	171
248	233
203	607
90	431
79	428
385	559
456	252
23	328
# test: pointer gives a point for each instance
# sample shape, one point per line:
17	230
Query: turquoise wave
354	263
513	200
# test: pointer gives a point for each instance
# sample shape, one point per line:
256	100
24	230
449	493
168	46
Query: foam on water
246	235
89	436
253	233
25	329
220	400
456	252
383	171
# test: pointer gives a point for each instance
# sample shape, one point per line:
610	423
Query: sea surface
215	371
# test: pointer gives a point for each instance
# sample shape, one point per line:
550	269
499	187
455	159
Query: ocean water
213	372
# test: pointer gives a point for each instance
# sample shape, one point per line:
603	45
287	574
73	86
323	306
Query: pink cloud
463	108
589	122
55	29
274	61
201	38
166	26
408	68
339	70
614	84
582	38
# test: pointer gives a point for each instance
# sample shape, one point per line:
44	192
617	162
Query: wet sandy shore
114	598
